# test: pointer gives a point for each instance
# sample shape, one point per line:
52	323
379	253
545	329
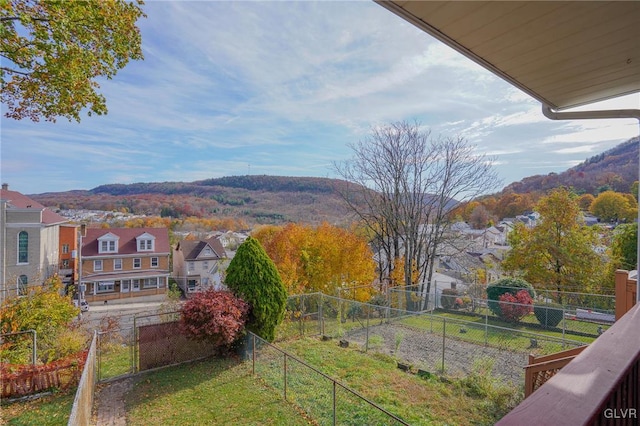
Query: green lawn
51	410
208	392
477	399
114	361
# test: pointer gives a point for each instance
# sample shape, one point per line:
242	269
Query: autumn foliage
214	315
515	307
323	258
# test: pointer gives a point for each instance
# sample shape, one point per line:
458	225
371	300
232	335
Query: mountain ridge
259	199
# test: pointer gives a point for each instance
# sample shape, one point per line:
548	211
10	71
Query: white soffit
563	53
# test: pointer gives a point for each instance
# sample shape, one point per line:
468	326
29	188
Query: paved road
124	312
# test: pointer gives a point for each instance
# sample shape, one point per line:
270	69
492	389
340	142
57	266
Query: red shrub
514	308
216	316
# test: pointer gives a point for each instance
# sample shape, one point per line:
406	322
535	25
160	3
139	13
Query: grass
376	377
115	360
50	410
208	392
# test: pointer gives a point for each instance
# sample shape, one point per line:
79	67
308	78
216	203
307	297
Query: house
68	267
29	243
125	264
196	264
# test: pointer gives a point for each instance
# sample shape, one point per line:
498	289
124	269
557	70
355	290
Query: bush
448	298
548	314
215	316
514	308
506	285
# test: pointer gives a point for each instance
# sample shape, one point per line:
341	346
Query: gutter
602	114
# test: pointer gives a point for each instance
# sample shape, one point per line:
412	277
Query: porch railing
600	386
542	368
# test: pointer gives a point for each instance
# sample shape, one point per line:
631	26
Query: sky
283	88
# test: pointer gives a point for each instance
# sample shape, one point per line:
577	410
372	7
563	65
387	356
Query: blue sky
282	88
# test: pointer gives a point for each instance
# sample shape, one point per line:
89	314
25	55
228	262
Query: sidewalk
111	410
96	307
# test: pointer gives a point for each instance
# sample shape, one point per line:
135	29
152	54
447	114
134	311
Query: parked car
83	305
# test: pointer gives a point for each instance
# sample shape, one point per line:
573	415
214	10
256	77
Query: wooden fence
21	380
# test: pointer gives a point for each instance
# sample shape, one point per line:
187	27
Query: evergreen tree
253	277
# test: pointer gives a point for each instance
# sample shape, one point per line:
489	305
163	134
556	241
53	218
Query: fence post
135	345
564	325
321	316
285	376
334	403
444	336
366	347
253	354
34	352
486	328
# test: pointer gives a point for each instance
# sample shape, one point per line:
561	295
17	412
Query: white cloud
285	86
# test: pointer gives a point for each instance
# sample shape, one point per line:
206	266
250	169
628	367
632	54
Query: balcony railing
542	368
600	386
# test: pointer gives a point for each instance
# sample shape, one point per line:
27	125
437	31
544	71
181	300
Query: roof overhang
563	53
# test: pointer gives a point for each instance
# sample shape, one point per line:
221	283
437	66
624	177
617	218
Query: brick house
125	264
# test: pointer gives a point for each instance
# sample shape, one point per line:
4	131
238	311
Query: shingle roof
127	243
19	201
192	248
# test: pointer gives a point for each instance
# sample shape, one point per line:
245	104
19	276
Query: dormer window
146	242
108	243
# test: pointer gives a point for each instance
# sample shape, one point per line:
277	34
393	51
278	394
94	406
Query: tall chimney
5	186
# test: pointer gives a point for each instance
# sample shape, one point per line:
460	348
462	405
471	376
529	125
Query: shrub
506	285
215	316
253	276
514	308
448	298
548	314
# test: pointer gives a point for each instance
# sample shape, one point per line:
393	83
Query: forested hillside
615	169
255	199
258	199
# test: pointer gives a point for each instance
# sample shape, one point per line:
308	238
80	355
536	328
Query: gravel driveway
423	350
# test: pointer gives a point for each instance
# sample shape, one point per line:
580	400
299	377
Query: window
149	283
137	263
145	244
125	286
105	286
107	246
65	249
192	285
97	265
136	285
205	265
65	264
23	247
117	264
22	285
154	262
191	266
207	251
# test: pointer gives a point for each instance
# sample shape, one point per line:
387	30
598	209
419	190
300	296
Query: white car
83	305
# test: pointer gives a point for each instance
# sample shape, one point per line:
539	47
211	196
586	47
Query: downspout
614	113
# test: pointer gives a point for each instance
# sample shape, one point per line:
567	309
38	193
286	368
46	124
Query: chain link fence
424	341
322	398
590	319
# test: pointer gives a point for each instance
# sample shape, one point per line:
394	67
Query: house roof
562	53
16	200
192	249
127	244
